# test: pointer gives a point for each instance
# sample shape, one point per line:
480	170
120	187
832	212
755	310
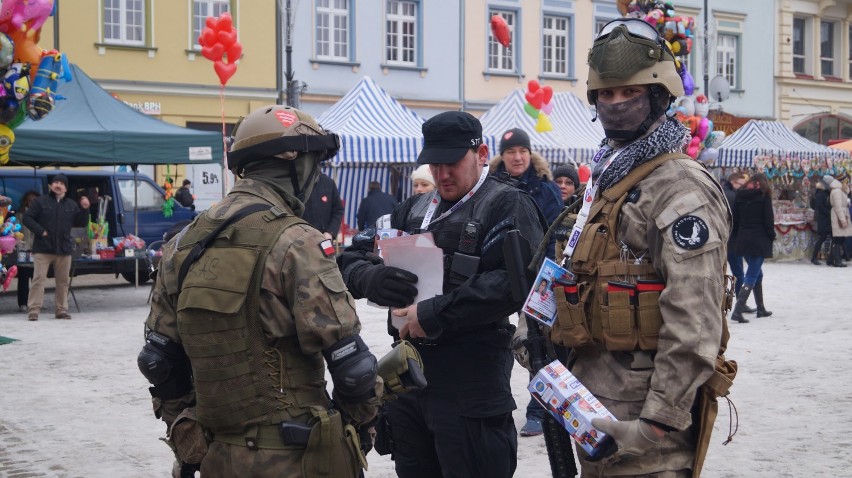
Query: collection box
573	406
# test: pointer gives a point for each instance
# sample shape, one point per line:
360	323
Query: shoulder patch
327	247
690	232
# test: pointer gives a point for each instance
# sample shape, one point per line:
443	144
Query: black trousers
24	276
821	237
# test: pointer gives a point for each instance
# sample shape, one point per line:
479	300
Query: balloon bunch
539	104
705	142
219	44
677	30
29	76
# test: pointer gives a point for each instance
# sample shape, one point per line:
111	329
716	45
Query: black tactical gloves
385	285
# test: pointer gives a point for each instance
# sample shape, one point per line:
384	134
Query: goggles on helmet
625	47
636	27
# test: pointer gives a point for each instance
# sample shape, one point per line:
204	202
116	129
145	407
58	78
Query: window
150	199
726	57
201	9
401	33
821	129
826	49
500	58
332	30
799	45
124	22
554	44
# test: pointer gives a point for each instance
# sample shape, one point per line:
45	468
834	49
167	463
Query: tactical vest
619	318
239	380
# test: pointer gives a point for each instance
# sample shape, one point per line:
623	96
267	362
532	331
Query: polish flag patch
327	247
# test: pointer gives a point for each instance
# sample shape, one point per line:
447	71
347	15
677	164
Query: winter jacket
754	223
840	224
731	196
184	197
537	180
822	209
375	205
57	218
324	209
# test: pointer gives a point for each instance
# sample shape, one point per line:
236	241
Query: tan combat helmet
629	51
277	131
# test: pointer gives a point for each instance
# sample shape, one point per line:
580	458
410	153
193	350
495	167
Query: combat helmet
282	132
629	51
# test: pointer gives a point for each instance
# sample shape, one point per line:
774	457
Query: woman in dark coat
754	230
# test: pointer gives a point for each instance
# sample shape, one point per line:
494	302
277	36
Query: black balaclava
629	120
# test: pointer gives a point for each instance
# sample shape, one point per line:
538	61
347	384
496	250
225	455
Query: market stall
793	165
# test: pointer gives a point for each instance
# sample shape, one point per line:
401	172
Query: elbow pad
352	368
165	364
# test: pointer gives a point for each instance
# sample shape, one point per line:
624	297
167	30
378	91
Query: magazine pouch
571	328
618	317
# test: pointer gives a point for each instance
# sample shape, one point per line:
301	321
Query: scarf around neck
669	137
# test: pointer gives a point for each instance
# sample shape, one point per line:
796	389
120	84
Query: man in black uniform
461	424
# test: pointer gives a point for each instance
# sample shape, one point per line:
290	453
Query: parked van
121	215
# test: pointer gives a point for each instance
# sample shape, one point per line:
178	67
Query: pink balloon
547	108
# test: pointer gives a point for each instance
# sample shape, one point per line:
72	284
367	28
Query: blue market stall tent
89	127
380	140
761	137
574	136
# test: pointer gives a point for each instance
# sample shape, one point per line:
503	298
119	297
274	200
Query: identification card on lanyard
433	204
583	216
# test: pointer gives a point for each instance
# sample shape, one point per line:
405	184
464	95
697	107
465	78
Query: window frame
416	36
193	36
145	26
833	42
493	49
568	47
803	41
334	12
729	25
817	120
728	52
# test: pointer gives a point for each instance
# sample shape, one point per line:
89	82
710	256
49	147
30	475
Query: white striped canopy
374	128
760	137
574	135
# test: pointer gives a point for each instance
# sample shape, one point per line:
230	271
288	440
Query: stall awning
759	137
574	136
374	128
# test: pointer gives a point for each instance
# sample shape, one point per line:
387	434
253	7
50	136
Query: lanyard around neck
433	204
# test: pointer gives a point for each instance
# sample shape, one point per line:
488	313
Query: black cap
61	178
448	136
515	137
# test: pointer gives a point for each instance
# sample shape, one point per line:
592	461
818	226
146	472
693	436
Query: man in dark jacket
184	195
324	209
375	205
822	214
51	218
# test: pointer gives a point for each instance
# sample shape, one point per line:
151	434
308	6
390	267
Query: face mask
622	121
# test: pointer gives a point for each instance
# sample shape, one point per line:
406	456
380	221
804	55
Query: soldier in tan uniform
648	250
248	308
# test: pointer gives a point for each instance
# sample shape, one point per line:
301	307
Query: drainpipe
461	54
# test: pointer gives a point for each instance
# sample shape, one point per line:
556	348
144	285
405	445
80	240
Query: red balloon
208	37
211	23
225	71
225	22
533	86
214	52
228	38
548	94
235	52
536	99
500	30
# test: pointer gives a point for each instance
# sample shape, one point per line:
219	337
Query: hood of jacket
538	167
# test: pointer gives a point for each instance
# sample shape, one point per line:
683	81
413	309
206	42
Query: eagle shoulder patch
690	232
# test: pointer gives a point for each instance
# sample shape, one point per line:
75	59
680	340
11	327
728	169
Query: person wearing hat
184	195
461	423
529	169
841	226
50	218
821	205
566	178
240	332
422	180
656	219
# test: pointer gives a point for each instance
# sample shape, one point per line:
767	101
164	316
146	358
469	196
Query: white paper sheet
418	255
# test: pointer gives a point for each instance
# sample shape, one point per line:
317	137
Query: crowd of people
253	304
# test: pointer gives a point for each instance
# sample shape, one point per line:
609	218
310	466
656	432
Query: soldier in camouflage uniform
648	250
238	330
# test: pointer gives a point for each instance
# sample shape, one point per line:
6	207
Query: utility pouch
464	266
717	386
648	312
331	450
571	328
618	321
383	443
187	438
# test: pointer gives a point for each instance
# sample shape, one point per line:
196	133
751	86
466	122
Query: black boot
742	297
758	299
749	310
837	255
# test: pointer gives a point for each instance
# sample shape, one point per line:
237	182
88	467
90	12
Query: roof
758	137
574	135
91	127
374	128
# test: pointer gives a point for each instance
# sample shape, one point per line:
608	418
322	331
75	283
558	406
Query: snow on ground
73	403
